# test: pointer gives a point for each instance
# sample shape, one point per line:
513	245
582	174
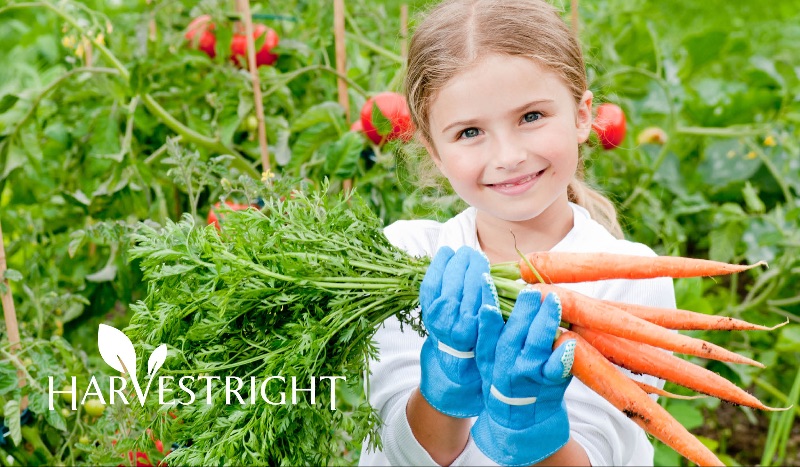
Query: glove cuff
520	446
456	399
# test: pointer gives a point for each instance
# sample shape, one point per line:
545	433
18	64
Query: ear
583	120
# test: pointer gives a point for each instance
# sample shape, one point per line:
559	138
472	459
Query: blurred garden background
111	114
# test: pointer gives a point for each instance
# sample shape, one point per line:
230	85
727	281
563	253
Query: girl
498	93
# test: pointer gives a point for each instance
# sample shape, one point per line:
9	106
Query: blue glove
455	288
525	418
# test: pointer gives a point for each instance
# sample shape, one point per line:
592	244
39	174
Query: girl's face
505	133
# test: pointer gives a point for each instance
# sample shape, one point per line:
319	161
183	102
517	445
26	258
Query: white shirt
606	434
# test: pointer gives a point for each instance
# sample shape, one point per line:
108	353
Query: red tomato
609	125
202	27
263	56
357	126
215	218
394	107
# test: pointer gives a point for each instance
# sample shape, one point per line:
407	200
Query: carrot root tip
779	409
777	325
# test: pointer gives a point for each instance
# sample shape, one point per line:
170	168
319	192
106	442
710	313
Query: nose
508	152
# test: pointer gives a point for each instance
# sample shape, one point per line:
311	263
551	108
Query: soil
743	440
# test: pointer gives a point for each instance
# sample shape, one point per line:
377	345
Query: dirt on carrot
581	310
593	370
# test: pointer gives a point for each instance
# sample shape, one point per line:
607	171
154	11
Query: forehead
491	86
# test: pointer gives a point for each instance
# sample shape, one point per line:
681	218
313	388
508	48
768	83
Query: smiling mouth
517	182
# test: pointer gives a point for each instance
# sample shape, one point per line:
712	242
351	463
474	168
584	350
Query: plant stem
188	134
286	77
774	392
787	194
375	48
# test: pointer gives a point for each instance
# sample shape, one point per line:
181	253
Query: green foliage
149	129
295	289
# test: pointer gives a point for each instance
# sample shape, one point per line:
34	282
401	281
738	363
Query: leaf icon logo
156	360
117	350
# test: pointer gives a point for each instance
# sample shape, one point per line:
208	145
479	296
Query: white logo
118	352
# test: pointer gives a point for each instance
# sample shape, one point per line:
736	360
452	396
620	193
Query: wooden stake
341	55
574	16
243	7
87	52
10	315
341	68
404	32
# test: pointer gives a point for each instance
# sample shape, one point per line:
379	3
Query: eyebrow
512	112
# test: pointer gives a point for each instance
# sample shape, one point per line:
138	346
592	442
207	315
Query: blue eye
532	116
469	133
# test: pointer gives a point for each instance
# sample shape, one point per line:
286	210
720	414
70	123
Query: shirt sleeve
394	376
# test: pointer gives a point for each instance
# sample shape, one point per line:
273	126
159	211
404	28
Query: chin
515	216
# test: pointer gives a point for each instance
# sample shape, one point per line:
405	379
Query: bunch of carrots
631	336
299	287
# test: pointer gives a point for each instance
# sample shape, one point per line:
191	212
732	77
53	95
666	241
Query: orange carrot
563	267
671	318
593	370
645	359
660	392
592	313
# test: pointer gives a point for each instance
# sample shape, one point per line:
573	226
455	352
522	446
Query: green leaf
108	273
686	413
16	158
38	403
727	161
279	134
326	112
12	275
12	421
7	102
380	121
78	237
723	242
789	339
342	157
105	139
705	46
55	419
665	455
8	377
751	199
310	141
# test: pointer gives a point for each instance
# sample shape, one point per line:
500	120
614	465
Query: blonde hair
456	34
